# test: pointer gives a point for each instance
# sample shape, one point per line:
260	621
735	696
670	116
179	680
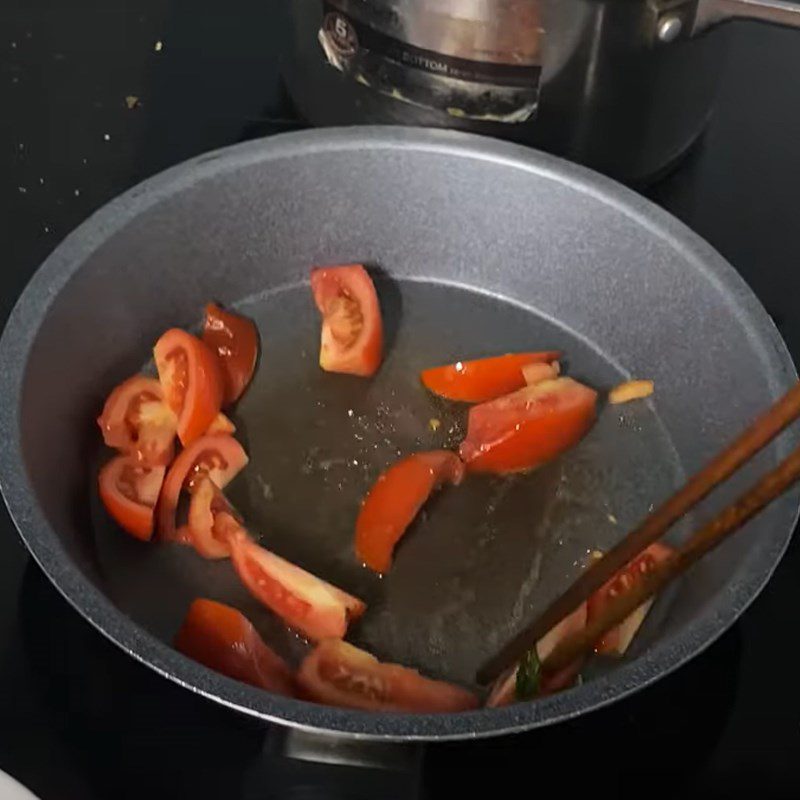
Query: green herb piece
528	675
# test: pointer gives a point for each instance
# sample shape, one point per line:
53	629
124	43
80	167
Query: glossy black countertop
95	96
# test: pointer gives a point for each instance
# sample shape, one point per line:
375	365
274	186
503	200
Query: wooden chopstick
654	526
712	534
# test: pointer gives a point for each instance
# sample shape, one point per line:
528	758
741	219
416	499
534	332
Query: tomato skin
218	455
206	503
617	640
395	499
338	674
304	602
352	328
190	377
136	421
223	639
529	427
234	339
129	491
482	379
504	691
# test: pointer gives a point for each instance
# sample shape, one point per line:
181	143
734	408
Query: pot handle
712	12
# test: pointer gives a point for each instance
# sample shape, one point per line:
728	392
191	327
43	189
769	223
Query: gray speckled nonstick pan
479	248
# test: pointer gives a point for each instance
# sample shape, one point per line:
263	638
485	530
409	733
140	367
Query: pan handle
317	766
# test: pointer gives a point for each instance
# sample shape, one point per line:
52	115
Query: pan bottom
481	559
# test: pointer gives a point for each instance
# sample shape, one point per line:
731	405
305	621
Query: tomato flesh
129	491
207	502
136	421
504	691
338	674
304	602
529	427
617	640
396	498
191	379
538	373
221	424
223	639
219	456
234	339
352	329
484	378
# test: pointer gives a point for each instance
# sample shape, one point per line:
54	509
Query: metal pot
624	86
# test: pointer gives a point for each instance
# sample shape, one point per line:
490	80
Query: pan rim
45	547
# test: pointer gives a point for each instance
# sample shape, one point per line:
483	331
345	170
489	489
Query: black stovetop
78	718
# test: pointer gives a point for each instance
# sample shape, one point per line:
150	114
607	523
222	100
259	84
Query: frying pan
478	247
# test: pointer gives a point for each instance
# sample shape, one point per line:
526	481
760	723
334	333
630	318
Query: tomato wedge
304	602
219	456
484	378
352	329
235	341
223	639
192	382
338	674
529	427
396	498
618	639
129	491
537	373
504	691
206	503
136	421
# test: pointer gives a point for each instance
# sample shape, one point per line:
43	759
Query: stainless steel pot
624	86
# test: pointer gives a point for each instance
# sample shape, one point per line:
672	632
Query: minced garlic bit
159	45
630	390
434	424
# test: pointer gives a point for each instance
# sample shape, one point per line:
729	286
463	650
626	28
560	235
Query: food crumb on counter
631	390
434	424
132	101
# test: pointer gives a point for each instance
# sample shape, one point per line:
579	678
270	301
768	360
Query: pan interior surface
481	558
479	247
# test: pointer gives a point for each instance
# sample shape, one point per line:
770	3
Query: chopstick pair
654	526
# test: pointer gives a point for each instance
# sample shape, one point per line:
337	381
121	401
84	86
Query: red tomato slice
618	639
528	427
352	329
136	421
206	503
537	373
504	691
192	382
223	639
221	424
396	498
482	379
338	674
235	341
304	602
129	491
218	456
